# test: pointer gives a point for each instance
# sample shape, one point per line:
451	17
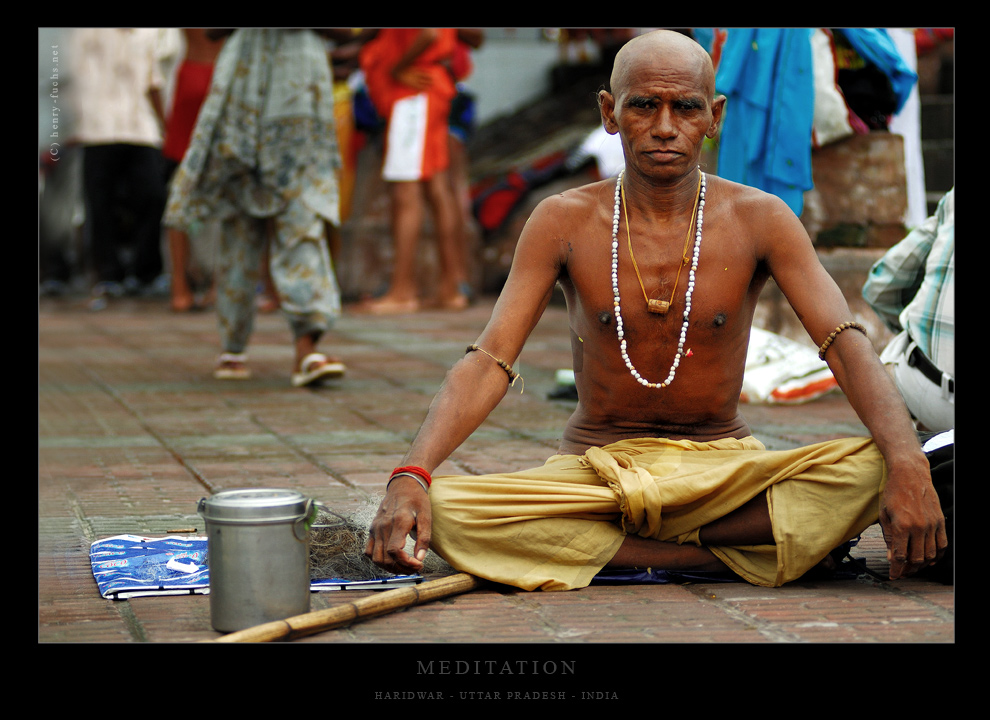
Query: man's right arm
469	393
472	388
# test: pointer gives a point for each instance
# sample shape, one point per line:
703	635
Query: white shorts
406	141
416	140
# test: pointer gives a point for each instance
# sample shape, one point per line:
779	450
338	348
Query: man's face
663	112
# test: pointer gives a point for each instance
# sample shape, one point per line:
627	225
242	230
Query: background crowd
215	169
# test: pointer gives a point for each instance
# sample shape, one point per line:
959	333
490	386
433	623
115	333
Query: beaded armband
835	333
513	375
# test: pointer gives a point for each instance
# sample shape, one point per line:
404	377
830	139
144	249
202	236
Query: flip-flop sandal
232	366
316	367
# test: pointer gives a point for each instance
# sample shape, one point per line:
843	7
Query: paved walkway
134	431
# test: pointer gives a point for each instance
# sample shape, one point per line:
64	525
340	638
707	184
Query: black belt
927	367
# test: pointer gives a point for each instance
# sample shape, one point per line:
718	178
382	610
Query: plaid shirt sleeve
911	286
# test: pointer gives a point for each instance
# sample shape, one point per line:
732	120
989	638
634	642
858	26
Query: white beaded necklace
687	297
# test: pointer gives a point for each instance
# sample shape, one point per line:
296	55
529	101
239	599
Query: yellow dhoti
555	527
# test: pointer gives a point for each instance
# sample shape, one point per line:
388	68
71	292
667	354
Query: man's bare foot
183	302
454	303
267	303
387	306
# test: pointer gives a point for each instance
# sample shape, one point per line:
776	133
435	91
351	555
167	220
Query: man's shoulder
743	196
575	204
583	194
744	206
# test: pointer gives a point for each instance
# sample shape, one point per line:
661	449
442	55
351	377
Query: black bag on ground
942	462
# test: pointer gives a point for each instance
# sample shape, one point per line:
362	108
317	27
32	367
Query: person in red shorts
409	81
192	84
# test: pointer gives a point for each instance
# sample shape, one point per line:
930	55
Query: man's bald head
672	48
662	103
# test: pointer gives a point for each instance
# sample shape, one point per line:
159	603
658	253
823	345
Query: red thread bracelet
415	471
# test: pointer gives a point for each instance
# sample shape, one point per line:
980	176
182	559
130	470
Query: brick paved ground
134	431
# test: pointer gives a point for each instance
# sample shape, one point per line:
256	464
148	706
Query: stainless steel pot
258	555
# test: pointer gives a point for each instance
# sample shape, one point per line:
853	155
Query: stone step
938	117
940	164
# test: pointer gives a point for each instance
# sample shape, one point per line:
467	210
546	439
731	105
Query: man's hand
404	511
416	78
912	522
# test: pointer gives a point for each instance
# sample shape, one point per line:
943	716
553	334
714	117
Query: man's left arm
157	54
910	515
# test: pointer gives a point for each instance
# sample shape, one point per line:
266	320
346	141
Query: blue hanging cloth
768	78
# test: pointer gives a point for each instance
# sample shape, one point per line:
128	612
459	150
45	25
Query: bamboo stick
381	603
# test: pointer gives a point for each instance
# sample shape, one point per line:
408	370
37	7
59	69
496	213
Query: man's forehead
662	85
664	59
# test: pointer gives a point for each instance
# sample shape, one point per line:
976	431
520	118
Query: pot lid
267	504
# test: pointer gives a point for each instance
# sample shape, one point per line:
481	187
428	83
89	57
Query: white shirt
113	69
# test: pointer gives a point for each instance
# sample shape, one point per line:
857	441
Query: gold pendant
658	307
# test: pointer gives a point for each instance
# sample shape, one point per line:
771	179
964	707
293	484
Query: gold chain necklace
620	331
660	307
